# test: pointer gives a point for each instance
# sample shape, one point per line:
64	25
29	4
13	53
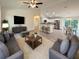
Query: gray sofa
54	52
9	48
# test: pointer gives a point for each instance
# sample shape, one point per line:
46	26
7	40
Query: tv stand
19	29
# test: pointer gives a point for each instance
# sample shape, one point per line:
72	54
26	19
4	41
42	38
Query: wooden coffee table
34	42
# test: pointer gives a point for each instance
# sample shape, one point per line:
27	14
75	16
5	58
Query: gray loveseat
54	52
9	48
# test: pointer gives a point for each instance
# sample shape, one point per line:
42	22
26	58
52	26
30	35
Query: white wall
0	18
9	14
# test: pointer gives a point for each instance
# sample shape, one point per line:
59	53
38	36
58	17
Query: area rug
41	52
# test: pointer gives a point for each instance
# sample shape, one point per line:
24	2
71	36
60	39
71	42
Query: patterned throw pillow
6	36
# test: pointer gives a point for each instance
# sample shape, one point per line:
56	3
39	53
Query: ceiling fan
32	3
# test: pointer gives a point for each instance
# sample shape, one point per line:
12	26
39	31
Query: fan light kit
32	3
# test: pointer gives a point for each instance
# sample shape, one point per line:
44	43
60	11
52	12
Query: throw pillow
6	36
4	49
64	46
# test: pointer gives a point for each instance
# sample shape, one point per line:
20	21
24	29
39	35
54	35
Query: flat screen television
18	20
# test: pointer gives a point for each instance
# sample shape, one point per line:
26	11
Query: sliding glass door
73	23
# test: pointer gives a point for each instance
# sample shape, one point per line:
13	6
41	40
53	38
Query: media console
19	29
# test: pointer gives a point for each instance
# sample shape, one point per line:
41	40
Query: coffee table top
33	38
33	41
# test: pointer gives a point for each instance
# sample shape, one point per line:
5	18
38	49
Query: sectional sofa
9	48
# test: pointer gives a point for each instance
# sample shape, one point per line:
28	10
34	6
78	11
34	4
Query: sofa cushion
1	38
4	49
57	44
64	46
73	48
2	55
12	46
6	36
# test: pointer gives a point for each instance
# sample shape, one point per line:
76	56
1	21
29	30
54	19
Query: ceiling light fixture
32	3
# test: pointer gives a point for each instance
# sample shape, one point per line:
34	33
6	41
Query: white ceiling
63	7
46	3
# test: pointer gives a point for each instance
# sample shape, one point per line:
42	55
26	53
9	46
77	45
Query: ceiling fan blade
28	6
36	6
25	2
39	3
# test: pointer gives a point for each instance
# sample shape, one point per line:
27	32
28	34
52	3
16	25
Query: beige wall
37	23
9	14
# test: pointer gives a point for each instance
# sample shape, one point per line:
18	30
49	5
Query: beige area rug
41	52
77	56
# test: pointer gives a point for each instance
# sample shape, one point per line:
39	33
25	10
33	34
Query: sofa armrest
17	55
56	55
56	45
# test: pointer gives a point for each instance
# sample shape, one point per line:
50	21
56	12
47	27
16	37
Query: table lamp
5	25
